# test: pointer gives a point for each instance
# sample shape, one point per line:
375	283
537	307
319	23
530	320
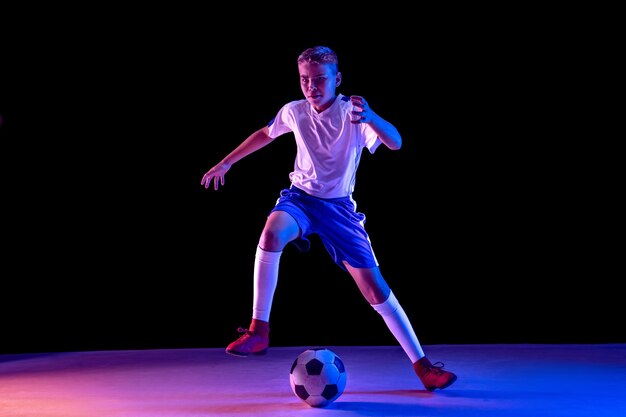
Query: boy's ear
338	79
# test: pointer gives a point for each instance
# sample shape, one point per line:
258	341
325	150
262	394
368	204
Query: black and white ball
318	377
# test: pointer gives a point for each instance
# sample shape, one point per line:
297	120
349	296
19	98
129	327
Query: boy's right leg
255	340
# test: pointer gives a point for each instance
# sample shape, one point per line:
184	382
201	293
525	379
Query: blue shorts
337	223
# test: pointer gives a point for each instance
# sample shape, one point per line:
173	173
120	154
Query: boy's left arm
387	133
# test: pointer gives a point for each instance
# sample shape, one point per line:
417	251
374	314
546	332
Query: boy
331	131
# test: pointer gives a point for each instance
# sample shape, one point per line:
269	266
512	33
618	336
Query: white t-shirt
328	146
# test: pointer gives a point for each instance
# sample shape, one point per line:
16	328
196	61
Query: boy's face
318	83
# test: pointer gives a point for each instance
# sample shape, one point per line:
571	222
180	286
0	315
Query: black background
490	223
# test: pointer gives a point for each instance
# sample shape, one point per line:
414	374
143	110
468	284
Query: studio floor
493	380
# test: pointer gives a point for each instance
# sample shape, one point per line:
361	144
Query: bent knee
279	230
273	240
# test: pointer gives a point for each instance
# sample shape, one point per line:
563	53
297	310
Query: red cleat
254	341
432	375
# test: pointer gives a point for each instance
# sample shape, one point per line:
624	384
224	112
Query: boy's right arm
251	144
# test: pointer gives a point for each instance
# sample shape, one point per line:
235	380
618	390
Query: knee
371	283
377	295
271	240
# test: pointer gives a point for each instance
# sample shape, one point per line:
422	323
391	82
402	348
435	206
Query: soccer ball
318	377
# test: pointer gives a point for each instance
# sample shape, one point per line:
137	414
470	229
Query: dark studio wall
484	224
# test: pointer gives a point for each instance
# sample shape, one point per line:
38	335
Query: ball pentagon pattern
318	376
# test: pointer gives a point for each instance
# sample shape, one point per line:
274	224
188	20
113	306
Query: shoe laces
245	332
437	368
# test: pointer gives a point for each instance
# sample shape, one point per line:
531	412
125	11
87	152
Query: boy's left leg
433	376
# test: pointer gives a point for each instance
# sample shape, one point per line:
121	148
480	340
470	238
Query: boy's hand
216	173
362	113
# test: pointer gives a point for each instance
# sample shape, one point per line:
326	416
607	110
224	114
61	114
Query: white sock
400	327
265	280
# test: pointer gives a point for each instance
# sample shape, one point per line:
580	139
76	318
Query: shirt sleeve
371	140
282	123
